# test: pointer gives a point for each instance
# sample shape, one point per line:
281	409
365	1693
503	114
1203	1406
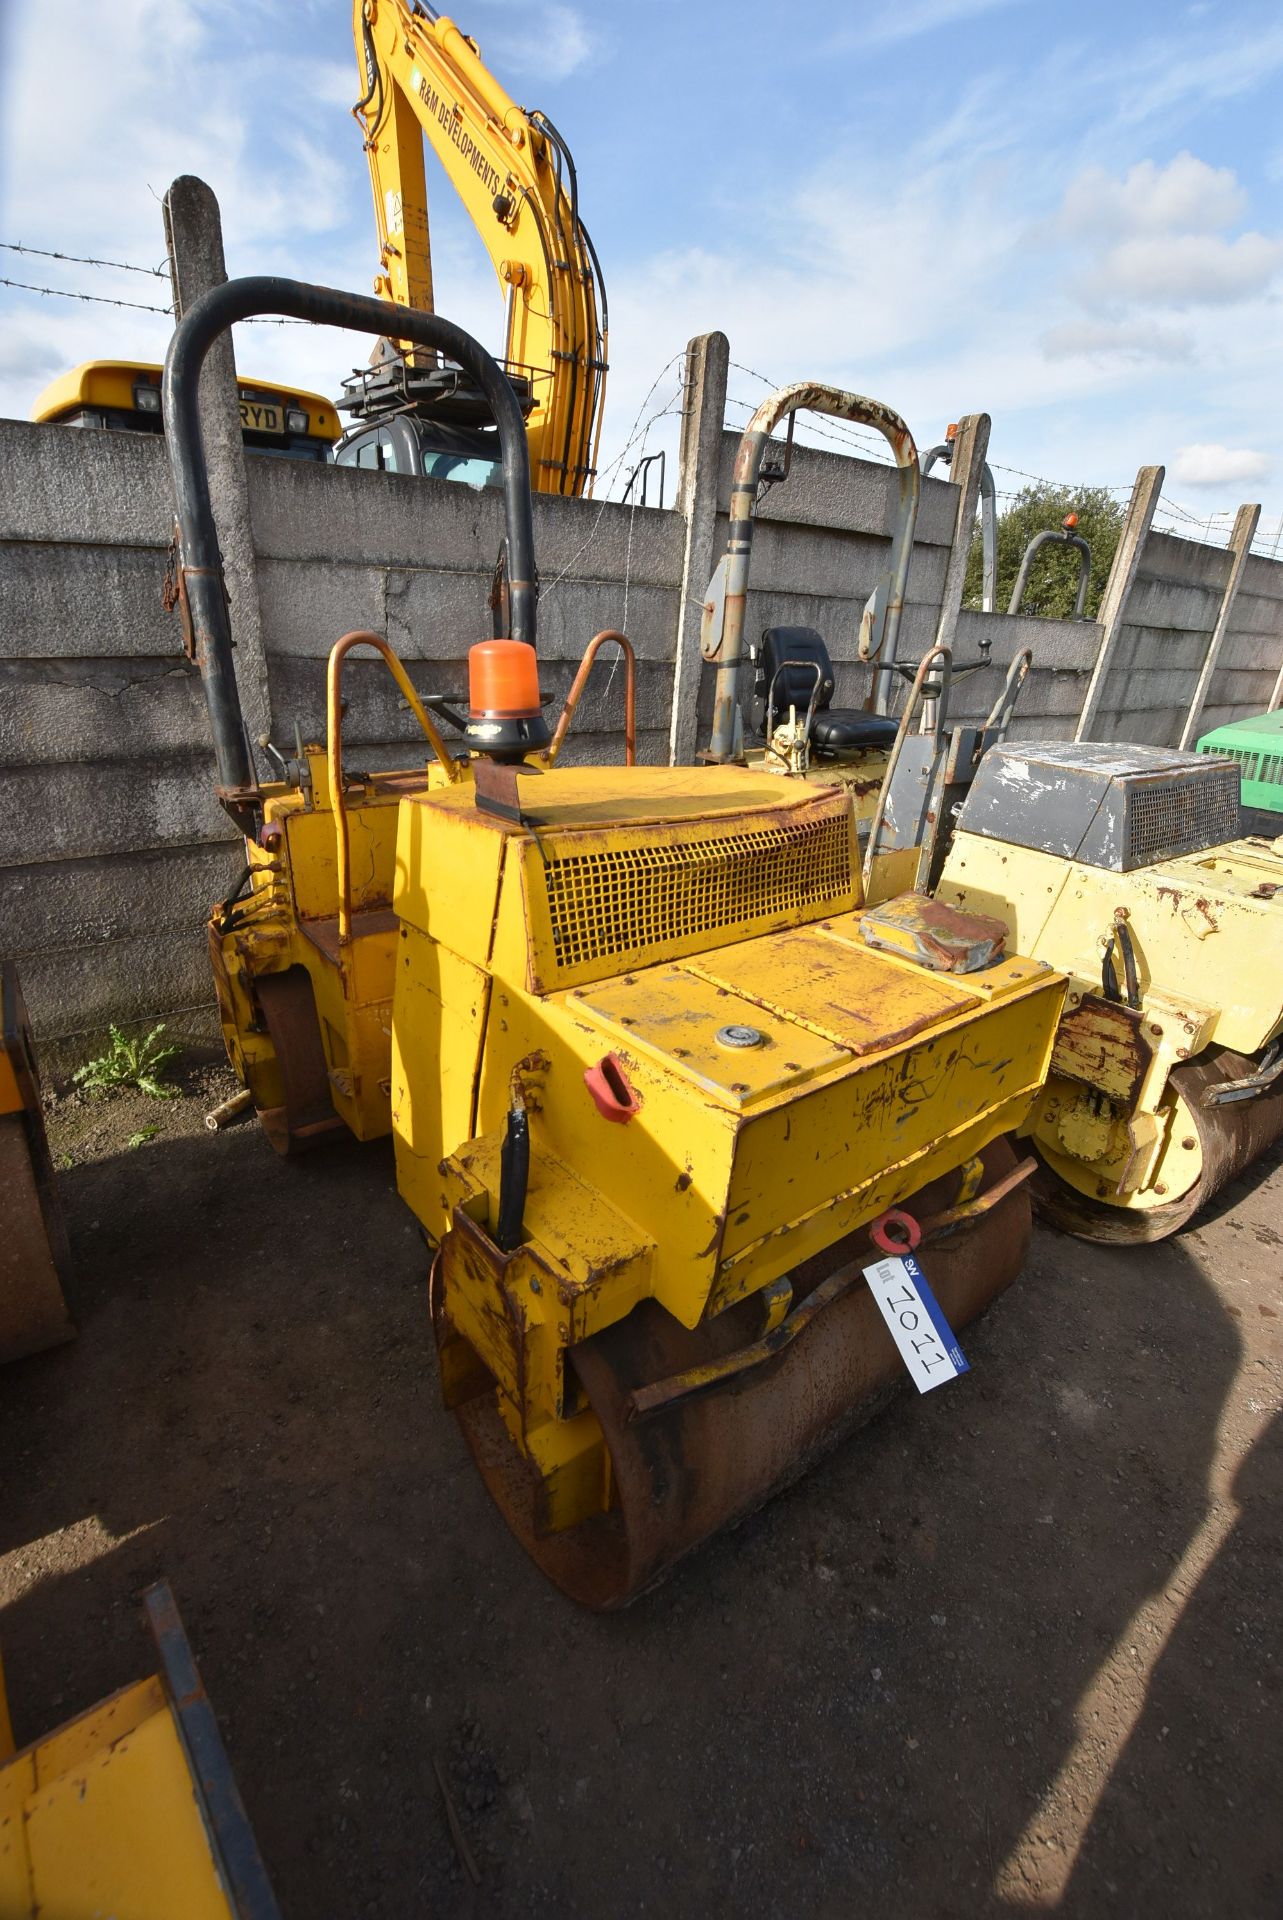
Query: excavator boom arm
424	79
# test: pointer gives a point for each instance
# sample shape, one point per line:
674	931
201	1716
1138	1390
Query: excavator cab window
462	468
374	451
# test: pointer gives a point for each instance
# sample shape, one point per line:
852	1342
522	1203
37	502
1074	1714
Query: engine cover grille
647	895
1110	806
1170	817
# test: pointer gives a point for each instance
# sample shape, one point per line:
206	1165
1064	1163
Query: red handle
907	1237
609	1086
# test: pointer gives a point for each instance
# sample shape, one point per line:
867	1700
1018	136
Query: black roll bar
199	563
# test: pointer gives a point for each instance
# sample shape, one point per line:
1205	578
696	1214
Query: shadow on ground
862	1695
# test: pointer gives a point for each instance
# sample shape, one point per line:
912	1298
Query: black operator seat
833	729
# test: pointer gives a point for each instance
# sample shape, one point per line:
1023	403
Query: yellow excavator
425	79
658	1094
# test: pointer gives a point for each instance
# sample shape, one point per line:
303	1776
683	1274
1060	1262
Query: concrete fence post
1240	547
194	237
1276	697
703	415
966	471
1113	606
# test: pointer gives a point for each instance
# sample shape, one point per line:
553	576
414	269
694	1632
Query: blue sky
1067	217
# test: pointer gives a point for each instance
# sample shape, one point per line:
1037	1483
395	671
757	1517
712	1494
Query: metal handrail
945	655
361	637
580	681
1065	537
988	522
880	624
1004	706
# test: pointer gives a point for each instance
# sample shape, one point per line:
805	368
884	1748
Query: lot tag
923	1335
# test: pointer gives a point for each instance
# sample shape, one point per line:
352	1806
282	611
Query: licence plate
260	416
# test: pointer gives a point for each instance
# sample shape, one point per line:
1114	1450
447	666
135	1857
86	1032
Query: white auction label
919	1329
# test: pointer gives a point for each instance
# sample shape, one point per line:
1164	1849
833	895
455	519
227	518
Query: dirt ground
1014	1648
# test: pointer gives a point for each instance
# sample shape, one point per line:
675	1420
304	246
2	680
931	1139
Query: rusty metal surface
362	637
1101	1044
880	625
580	681
665	1393
685	1472
308	1115
946	939
1230	1138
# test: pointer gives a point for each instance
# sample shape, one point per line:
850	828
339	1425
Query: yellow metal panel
627	894
863	1001
440	1003
75	1744
448	863
17	1781
951	1091
1205	928
372	830
676	1015
672	1165
123	1835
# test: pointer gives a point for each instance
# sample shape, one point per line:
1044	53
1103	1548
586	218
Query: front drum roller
1229	1138
712	1457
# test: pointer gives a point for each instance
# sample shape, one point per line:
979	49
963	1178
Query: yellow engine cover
1206	928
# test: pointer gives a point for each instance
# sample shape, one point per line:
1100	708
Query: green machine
1257	745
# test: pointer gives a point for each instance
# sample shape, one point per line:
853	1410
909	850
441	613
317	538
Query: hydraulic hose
200	564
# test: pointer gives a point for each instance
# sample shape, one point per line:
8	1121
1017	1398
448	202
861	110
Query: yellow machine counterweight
652	1076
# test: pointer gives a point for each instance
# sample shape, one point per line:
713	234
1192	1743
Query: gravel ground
1016	1647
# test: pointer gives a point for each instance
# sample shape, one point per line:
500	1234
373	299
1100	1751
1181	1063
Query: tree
1053	579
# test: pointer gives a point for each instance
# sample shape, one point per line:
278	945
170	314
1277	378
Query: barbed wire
832	430
98	299
83	260
143	306
1062	486
604	477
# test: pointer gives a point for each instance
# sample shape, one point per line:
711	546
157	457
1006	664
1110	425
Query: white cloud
1207	464
1161	236
1186	269
1105	340
1185	196
551	45
1166	80
908	21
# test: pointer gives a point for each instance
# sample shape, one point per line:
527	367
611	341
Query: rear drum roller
1226	1139
289	1011
712	1457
